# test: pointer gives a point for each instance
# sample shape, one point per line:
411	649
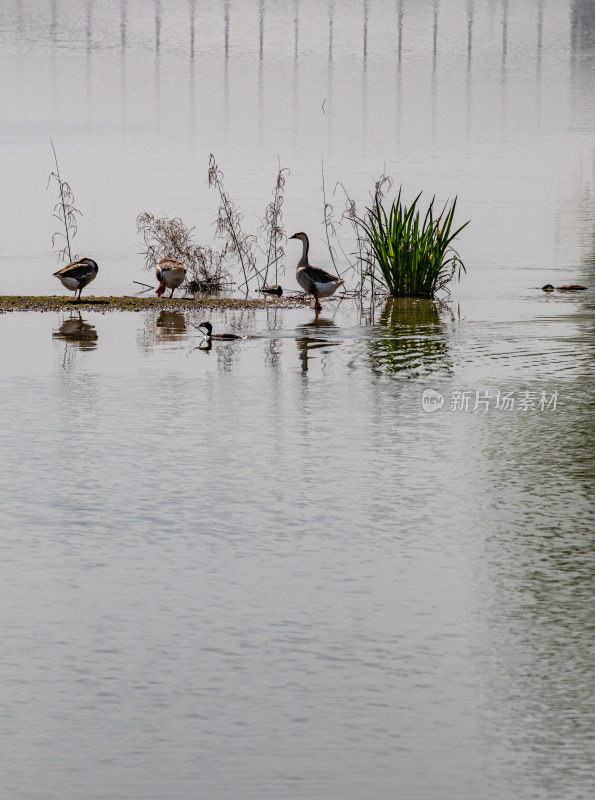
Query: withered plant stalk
272	227
229	227
64	211
329	222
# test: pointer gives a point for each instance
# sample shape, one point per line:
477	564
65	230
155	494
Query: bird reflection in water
311	337
77	332
410	338
170	326
206	346
77	335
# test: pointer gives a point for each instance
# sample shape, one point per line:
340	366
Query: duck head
90	263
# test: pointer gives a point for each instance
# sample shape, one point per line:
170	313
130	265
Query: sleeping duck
76	275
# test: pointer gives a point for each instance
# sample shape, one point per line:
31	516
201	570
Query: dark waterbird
276	289
568	287
222	336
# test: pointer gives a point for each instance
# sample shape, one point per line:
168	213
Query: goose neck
303	262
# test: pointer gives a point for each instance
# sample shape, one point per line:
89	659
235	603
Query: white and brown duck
313	280
76	275
171	273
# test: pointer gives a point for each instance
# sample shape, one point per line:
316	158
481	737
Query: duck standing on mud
313	280
76	275
171	273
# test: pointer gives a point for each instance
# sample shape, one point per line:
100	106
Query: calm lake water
267	569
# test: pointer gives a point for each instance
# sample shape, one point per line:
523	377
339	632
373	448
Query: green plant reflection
410	338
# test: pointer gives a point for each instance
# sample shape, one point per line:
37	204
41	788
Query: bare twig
228	222
272	226
64	211
328	221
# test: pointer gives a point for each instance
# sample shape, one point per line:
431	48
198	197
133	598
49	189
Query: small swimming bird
76	275
313	280
171	273
568	287
210	335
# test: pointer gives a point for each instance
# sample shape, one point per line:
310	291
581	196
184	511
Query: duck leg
172	294
316	306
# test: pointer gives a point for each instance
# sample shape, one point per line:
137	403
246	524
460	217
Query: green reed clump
411	256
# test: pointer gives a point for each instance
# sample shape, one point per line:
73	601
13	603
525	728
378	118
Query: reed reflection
159	327
364	78
226	24
260	72
123	23
366	14
400	14
170	326
504	42
331	18
157	13
89	28
434	66
410	338
582	26
436	12
468	83
296	28
53	23
310	337
89	78
192	27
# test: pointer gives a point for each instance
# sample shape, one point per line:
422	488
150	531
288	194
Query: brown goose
313	280
171	273
76	275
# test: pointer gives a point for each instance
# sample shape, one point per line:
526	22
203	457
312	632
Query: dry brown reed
272	228
64	211
238	244
244	247
165	237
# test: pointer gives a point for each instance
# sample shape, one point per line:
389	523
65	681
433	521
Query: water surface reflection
170	326
538	564
77	332
410	338
310	338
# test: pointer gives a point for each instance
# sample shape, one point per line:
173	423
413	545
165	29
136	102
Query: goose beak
293	237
